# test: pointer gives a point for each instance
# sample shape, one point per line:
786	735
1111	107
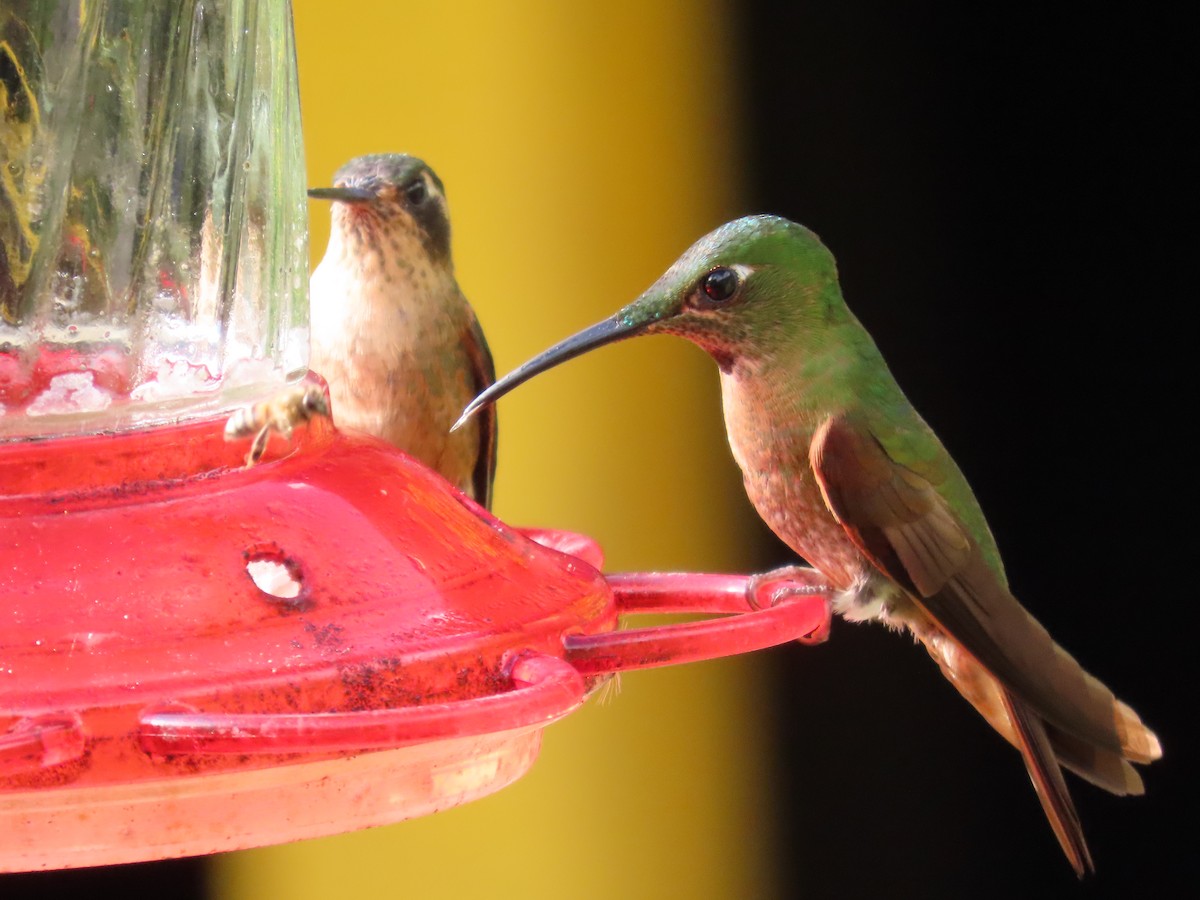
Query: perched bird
844	470
392	333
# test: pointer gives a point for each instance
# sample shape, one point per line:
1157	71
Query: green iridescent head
750	288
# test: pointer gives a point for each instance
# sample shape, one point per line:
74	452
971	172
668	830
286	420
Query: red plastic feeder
200	657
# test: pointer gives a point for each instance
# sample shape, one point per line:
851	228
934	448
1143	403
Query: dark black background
1004	190
176	879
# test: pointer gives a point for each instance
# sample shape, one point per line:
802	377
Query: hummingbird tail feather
1138	742
1100	766
1044	771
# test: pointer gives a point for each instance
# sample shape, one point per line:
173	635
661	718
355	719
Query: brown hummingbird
392	333
840	466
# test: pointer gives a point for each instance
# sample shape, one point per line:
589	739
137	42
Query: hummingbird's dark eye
416	192
720	284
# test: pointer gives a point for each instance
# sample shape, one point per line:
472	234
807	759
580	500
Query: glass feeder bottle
153	251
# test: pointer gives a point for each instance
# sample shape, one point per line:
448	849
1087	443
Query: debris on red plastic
198	656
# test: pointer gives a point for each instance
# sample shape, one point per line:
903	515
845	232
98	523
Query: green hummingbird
843	468
391	331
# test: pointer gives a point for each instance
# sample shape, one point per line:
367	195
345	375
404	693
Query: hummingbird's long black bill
615	328
345	194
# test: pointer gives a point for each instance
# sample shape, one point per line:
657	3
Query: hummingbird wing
998	656
1027	687
482	374
907	529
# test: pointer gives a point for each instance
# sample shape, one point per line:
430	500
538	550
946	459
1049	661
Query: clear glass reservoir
153	249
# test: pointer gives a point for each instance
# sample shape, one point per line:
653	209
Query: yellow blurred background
583	146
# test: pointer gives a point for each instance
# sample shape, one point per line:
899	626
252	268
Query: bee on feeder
281	413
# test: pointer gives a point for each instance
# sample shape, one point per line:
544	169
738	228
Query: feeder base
71	828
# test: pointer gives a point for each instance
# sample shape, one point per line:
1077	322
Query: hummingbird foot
769	588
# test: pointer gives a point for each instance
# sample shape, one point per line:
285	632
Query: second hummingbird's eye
416	192
720	284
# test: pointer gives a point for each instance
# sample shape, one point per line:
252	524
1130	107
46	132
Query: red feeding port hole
279	576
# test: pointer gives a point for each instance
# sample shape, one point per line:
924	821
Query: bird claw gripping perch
749	612
767	589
